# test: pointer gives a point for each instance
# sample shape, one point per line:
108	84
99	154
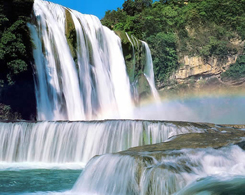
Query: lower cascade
78	142
136	157
143	174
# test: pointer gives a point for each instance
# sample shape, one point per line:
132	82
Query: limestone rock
218	136
197	66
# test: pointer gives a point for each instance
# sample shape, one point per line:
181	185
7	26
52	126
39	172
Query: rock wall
199	67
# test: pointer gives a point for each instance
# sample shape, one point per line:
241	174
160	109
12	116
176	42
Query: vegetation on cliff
237	70
174	28
16	74
15	43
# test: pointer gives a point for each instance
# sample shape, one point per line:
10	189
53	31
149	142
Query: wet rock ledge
171	167
215	136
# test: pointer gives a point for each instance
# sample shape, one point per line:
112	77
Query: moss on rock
215	137
70	32
134	56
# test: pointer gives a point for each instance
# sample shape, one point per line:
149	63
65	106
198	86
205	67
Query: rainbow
220	106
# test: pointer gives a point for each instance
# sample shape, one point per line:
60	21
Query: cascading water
57	90
125	174
93	86
78	142
147	65
148	71
80	74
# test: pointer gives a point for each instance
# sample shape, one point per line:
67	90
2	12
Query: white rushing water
126	174
78	142
57	90
147	64
87	80
149	72
95	85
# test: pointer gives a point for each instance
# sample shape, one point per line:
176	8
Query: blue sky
95	7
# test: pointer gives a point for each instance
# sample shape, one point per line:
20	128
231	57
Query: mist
218	110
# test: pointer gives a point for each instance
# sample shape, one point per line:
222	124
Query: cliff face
195	71
198	67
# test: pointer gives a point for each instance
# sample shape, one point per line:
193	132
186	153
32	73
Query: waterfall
148	71
144	174
133	54
147	64
84	83
57	87
78	142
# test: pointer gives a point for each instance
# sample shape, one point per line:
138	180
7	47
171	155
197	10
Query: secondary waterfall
149	73
80	68
124	174
68	142
142	47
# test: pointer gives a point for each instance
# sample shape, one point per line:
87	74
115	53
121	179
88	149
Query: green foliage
15	42
17	66
164	54
133	7
115	19
7	114
205	28
129	7
217	47
13	53
17	96
236	70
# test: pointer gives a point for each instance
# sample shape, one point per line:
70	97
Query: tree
132	7
129	7
203	28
